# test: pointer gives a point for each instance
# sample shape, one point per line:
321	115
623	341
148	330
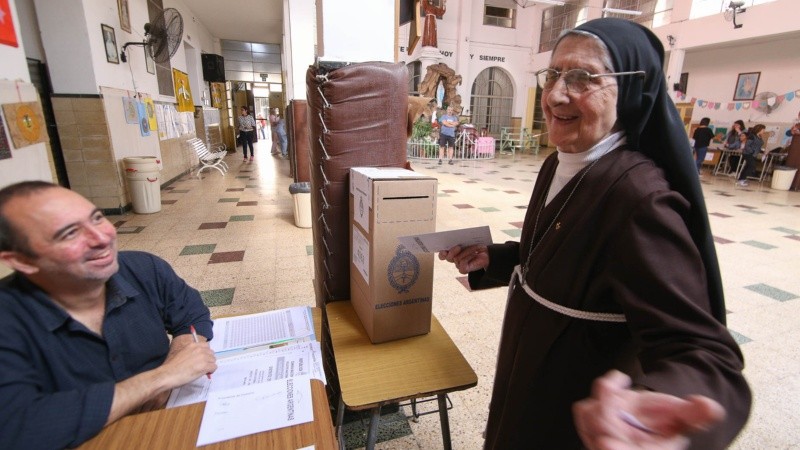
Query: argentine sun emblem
403	270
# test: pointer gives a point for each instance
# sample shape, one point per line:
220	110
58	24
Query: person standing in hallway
614	331
280	129
84	329
262	123
273	125
793	158
447	134
751	149
247	132
702	138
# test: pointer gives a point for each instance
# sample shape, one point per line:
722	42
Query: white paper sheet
252	367
445	240
242	332
252	409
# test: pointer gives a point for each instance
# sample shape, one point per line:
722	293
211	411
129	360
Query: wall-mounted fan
161	37
767	102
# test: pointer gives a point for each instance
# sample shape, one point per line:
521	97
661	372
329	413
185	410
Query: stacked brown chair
297	129
357	117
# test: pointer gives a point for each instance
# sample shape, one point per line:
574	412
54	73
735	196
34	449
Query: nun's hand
618	418
467	259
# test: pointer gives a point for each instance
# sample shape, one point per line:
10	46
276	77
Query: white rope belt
575	313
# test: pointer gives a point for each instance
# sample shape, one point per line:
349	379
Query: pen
631	420
194	336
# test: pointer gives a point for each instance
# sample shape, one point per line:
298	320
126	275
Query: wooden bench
209	159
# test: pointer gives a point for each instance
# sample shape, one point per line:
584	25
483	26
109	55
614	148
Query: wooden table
371	375
177	428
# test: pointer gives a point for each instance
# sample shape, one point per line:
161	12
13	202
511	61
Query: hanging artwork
8	35
124	15
183	94
25	123
150	108
110	44
218	95
129	109
5	149
144	123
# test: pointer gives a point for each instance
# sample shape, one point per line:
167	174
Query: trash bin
301	194
782	177
143	183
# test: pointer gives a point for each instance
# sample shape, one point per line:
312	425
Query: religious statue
431	13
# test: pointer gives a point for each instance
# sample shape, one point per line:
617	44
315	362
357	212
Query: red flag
7	34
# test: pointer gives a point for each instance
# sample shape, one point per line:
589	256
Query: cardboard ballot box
390	288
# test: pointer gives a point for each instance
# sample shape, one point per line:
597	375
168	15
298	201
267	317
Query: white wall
371	39
126	139
30	34
299	18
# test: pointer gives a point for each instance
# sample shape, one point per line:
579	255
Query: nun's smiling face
576	120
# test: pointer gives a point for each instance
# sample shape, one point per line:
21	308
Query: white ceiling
241	20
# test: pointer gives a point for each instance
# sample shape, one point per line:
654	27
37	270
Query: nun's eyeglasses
576	80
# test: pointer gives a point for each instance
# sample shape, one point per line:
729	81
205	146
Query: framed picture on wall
110	44
124	16
746	86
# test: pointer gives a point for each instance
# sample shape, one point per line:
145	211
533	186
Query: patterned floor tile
517	232
470	181
771	292
521	207
309	250
463	206
243	218
490	189
720	240
740	338
511	192
391	426
129	230
226	257
168	202
724	216
179	191
212	225
794	237
250	203
760	245
234	190
450	191
464	282
228	200
516	224
218	297
489	209
786	230
198	249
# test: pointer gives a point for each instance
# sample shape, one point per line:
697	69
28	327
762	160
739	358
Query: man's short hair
11	239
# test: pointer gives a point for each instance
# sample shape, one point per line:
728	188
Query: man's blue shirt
57	377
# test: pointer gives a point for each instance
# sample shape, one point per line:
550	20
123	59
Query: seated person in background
750	150
733	141
82	328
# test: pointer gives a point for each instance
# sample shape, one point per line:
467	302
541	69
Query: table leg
339	424
415	416
372	432
445	421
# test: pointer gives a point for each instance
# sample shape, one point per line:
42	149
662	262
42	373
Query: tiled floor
234	239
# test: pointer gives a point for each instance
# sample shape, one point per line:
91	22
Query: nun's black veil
653	127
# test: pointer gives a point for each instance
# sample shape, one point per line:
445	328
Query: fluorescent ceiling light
622	11
550	2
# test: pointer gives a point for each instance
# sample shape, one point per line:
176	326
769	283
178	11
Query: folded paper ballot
445	240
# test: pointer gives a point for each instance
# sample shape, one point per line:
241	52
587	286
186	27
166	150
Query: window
557	19
492	99
654	12
500	13
414	77
163	70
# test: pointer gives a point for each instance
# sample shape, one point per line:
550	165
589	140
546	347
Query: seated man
82	329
